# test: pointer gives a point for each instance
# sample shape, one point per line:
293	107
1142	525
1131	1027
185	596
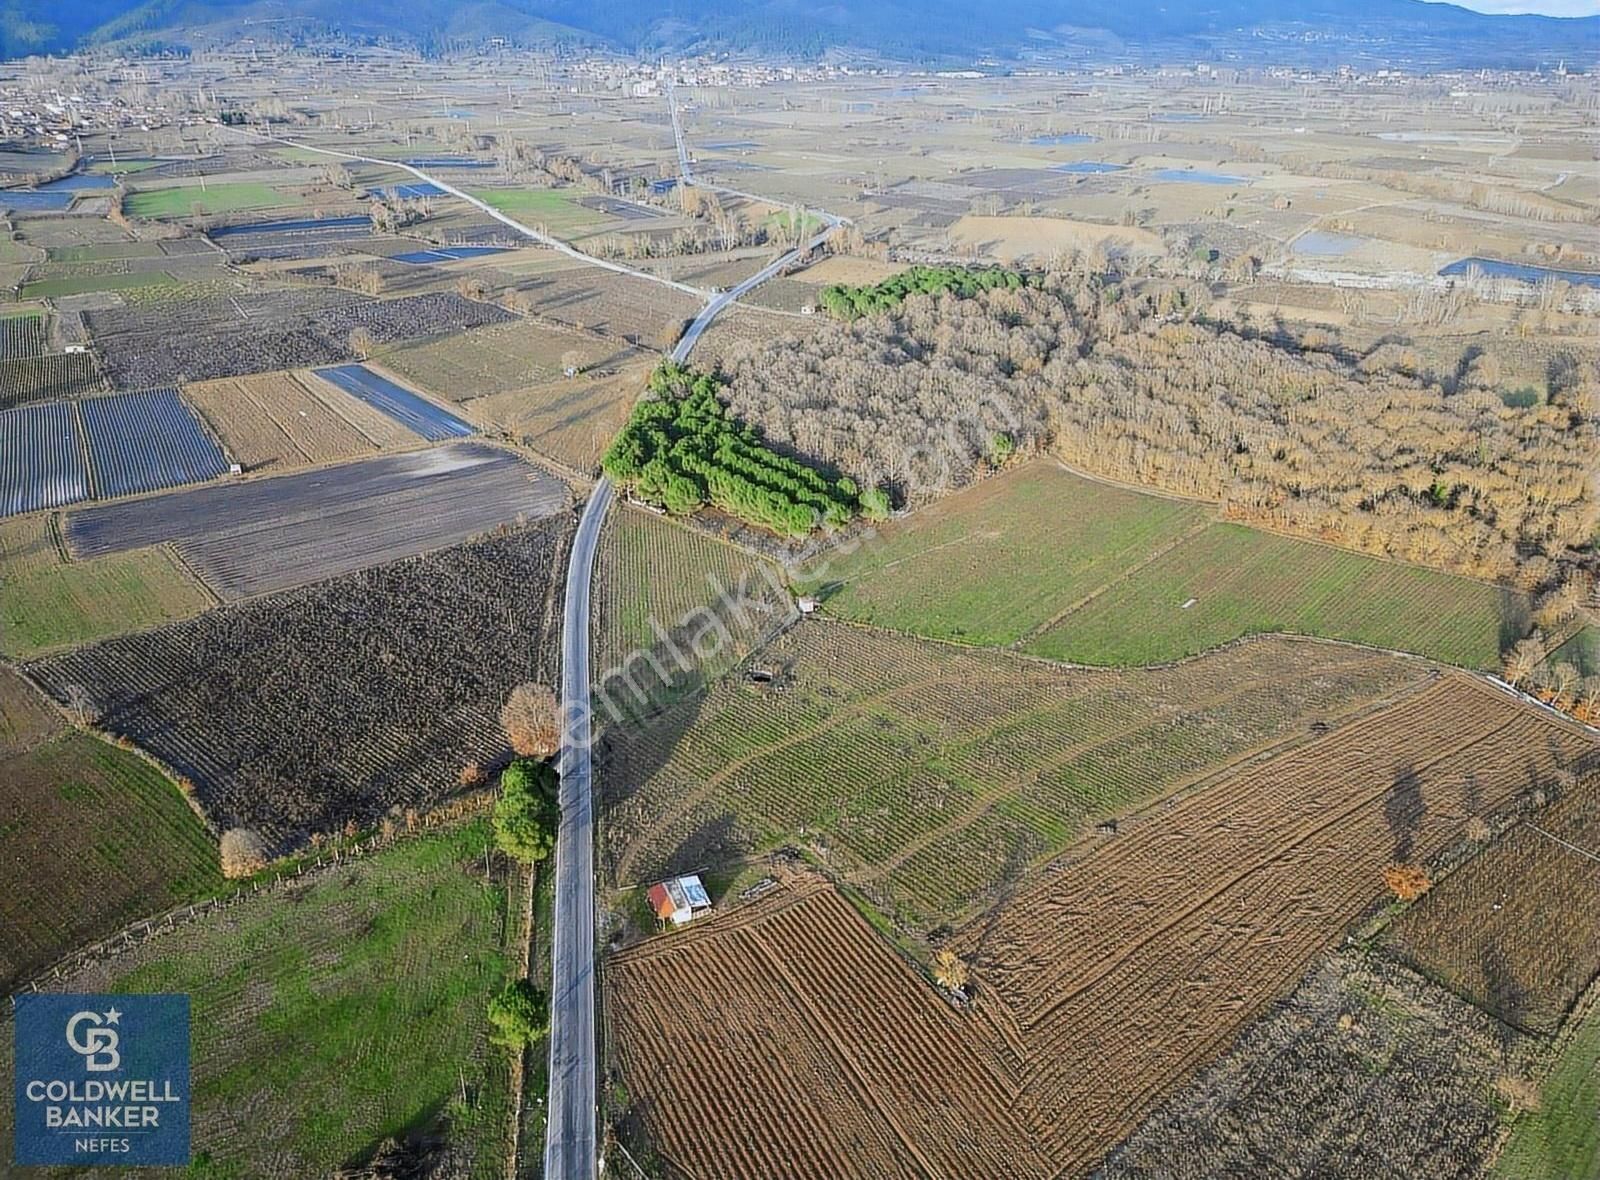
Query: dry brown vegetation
1513	930
530	719
1365	1070
1120	380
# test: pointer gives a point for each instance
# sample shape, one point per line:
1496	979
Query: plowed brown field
1514	929
787	1041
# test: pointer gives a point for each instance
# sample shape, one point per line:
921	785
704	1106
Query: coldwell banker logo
102	1079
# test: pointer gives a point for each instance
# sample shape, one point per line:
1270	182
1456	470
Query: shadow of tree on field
1403	809
1515	618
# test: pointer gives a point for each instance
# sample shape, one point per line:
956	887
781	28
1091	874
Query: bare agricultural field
1126	968
851	271
928	775
353	699
264	535
571	420
503	358
862	1071
1075	569
1364	1070
94	838
1010	239
48	602
636	311
277	421
1513	929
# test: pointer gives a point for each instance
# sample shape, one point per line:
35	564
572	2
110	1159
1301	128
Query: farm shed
679	900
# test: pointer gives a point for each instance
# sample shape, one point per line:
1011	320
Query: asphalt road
571	1150
571	1146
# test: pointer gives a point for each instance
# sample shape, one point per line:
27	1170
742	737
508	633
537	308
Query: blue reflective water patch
79	182
301	226
28	200
415	413
1090	167
142	442
1064	137
1493	268
41	458
1194	176
102	1079
446	254
407	192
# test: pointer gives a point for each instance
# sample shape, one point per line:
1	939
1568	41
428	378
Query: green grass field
1582	651
46	603
556	209
124	165
989	565
227	197
333	1013
1242	582
92	838
1561	1140
1076	570
84	284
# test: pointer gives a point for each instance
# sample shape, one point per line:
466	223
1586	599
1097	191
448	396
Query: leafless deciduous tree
531	721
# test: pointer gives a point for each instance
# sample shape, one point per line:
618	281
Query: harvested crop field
278	421
1513	930
626	309
94	838
1038	238
503	358
1074	569
930	775
572	421
818	1054
1127	967
257	332
307	1000
1365	1070
47	602
353	699
265	535
1100	986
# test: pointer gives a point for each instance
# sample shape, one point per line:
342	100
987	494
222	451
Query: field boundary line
1190	534
175	555
1567	844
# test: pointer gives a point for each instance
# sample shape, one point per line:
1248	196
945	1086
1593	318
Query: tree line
682	449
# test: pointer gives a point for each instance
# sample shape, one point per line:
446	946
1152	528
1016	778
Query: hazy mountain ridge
1438	33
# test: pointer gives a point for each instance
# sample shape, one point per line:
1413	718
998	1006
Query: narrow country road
571	1144
571	1147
